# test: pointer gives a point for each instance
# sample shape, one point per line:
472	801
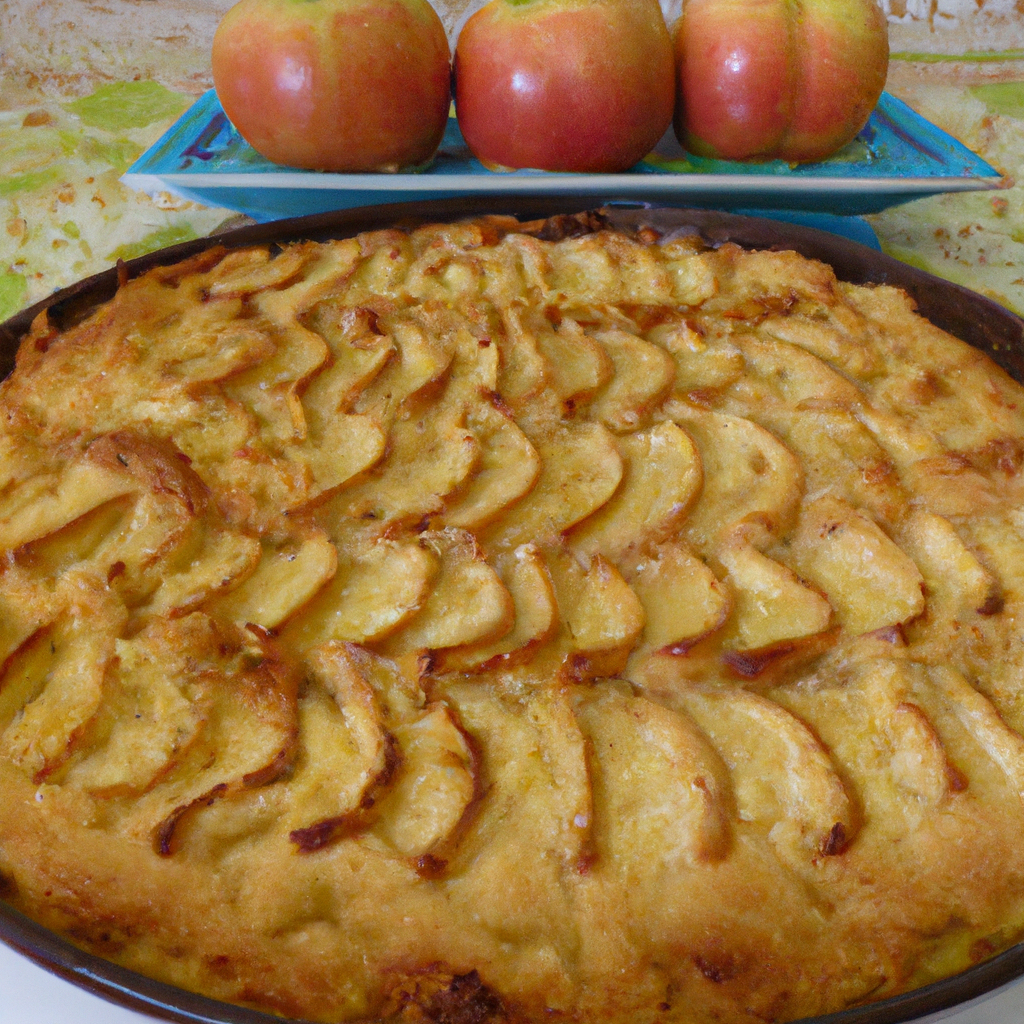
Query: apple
564	85
777	79
335	85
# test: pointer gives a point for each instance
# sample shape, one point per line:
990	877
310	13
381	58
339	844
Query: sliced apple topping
771	604
869	581
524	371
981	719
703	363
434	787
359	351
752	481
956	582
248	271
528	744
377	587
831	341
270	390
467	605
658	785
784	778
508	469
919	762
46	503
53	685
289	573
683	601
598	610
345	751
151	716
422	360
250	734
536	615
431	453
580	470
795	376
577	366
643	375
661	480
608	268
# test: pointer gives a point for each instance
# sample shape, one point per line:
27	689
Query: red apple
335	85
564	85
764	79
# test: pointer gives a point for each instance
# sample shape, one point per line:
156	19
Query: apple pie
513	622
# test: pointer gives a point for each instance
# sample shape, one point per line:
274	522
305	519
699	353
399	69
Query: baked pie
513	622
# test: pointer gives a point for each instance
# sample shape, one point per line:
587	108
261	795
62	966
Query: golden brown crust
500	622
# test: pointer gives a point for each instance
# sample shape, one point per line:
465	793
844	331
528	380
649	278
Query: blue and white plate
898	156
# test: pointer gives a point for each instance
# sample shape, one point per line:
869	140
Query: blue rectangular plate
898	156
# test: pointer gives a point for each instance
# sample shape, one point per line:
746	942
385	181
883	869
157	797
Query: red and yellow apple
335	85
777	79
564	85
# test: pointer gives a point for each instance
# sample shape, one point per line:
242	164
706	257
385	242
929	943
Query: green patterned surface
63	212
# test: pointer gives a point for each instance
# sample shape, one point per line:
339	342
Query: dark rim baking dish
975	319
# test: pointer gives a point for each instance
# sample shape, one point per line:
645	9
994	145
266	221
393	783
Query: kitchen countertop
87	85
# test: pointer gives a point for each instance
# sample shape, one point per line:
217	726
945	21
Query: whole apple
564	85
335	85
764	79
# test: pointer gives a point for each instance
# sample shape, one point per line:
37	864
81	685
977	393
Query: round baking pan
971	317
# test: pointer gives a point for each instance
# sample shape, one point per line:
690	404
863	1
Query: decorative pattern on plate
513	622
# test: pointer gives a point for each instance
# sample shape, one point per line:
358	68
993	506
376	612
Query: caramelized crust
500	622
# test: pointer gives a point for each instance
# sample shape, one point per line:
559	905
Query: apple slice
658	785
599	612
429	457
752	481
45	503
869	581
794	375
771	604
227	350
979	716
919	763
702	363
682	599
524	574
150	718
524	371
244	272
580	470
661	480
345	751
643	375
378	586
468	603
436	783
215	561
289	573
359	352
270	390
610	269
54	685
422	360
784	778
956	582
508	469
529	743
249	738
577	366
837	343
